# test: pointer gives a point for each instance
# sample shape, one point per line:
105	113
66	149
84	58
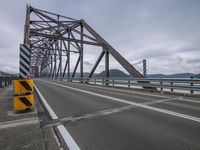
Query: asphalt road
113	119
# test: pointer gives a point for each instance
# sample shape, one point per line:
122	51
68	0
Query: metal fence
191	86
4	81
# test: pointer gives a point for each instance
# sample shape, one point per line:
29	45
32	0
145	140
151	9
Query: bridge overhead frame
51	37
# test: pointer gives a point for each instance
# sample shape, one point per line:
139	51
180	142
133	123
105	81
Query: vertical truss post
66	63
81	52
60	59
27	27
55	64
107	66
106	63
58	69
51	61
68	55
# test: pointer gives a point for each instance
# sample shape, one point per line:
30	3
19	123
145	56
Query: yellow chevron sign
23	102
23	87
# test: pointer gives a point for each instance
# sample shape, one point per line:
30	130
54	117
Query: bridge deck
109	118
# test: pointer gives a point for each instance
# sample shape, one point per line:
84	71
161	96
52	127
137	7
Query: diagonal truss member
52	37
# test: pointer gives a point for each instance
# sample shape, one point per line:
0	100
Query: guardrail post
87	81
191	84
107	82
128	83
161	88
1	82
95	81
172	87
103	81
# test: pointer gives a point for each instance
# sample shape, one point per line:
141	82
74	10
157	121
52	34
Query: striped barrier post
23	102
24	64
23	94
144	68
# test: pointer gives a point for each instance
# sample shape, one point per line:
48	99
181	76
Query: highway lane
190	107
138	128
68	103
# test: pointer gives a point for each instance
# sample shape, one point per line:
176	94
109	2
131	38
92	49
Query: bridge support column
81	52
107	67
68	55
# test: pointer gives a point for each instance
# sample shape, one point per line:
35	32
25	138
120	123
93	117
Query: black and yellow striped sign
23	87
23	102
24	63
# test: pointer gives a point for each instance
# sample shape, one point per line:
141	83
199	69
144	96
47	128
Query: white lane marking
188	100
72	145
138	93
180	115
130	92
20	122
49	109
160	101
67	137
100	113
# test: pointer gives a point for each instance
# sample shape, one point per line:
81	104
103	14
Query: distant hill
119	73
85	74
197	76
113	73
178	75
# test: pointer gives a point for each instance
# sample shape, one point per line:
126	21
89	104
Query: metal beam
96	64
64	38
129	68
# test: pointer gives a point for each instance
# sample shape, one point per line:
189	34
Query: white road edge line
72	145
130	92
180	115
138	93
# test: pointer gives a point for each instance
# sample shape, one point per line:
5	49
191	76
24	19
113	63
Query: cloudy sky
164	32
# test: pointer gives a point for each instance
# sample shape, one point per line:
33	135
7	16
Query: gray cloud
165	32
193	61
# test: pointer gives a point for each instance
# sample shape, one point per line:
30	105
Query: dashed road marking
97	114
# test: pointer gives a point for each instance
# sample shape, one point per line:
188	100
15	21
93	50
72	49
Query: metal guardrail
190	85
4	81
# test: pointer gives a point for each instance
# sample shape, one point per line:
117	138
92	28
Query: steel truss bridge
53	39
105	113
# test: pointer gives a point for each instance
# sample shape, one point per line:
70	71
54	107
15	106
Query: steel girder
51	37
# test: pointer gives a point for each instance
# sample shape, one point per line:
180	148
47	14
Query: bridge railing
4	81
191	86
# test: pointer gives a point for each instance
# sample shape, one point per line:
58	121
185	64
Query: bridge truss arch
52	37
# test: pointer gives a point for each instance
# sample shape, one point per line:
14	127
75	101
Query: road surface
105	118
